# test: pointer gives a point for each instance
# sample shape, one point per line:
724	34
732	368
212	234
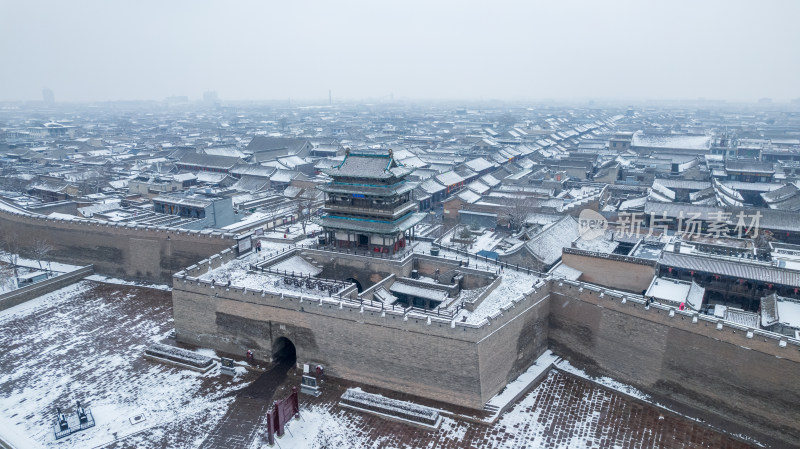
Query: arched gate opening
284	352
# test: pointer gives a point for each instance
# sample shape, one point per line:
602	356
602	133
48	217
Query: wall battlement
756	339
743	376
130	251
372	312
398	348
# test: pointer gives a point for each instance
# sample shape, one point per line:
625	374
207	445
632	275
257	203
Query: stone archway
284	351
358	284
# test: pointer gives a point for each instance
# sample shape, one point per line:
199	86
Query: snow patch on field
513	389
110	280
606	381
78	344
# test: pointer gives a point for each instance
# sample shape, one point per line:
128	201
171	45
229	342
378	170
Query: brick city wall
149	253
742	375
464	364
745	376
16	297
619	272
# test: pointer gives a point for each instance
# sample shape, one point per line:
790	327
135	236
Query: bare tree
304	211
10	254
6	276
40	249
517	210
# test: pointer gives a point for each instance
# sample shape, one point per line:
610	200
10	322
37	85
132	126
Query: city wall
16	297
621	272
742	375
148	253
454	362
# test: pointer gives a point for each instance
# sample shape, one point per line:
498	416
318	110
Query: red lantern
795	291
670	269
769	286
691	273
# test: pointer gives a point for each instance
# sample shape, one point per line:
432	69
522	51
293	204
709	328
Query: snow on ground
317	428
629	390
9	283
542	364
561	412
295	231
85	342
236	272
14	209
487	240
54	266
605	381
296	264
269	246
110	280
252	218
513	285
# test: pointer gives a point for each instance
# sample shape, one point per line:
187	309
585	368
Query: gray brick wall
749	381
131	252
452	362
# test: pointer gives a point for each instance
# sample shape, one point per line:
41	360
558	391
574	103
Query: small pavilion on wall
369	205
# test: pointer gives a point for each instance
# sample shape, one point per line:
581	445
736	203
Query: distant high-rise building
210	96
48	96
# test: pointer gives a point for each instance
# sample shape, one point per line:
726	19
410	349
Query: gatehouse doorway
283	351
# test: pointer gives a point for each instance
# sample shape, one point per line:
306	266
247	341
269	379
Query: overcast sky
276	50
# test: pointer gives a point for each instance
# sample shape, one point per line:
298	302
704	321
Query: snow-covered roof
211	177
182	177
479	164
478	187
548	244
431	186
727	196
741	317
449	178
364	165
469	196
676	291
634	204
283	175
777	309
661	194
687	142
489	180
253	170
229	151
566	272
403	288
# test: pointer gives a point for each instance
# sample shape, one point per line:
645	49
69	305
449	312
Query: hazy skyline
146	50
